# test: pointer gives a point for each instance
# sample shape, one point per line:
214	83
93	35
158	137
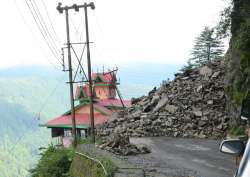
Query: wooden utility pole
89	74
60	9
76	8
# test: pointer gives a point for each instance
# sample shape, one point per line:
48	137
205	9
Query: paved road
176	157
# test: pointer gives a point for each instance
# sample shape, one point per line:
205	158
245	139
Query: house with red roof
105	103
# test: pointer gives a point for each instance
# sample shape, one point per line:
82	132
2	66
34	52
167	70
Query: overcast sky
131	31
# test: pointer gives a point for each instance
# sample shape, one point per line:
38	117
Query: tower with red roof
105	104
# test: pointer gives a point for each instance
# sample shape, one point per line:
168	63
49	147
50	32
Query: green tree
187	67
207	47
223	27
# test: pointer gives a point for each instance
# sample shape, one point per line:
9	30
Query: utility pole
60	9
76	8
89	73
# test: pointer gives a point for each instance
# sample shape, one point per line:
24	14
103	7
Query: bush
54	162
237	131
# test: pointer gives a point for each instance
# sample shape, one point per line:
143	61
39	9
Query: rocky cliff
238	59
192	105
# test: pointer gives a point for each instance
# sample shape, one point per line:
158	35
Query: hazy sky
159	31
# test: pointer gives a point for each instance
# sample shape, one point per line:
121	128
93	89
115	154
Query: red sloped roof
106	78
113	102
81	120
85	90
102	109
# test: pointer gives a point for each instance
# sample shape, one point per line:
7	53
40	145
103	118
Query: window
67	133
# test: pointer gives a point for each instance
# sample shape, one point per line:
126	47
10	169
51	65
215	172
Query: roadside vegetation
237	131
85	167
54	162
65	162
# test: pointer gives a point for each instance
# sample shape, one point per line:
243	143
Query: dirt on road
178	157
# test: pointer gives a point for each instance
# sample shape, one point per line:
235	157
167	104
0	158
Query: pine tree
206	48
187	67
223	27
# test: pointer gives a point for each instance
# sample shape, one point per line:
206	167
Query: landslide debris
192	105
119	144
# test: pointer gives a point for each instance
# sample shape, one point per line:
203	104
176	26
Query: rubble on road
192	105
120	145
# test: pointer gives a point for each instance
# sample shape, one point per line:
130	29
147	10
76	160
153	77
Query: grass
84	167
237	131
89	141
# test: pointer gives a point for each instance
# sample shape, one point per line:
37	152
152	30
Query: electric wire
51	24
49	41
49	96
74	26
34	36
39	112
80	23
18	140
103	39
41	31
44	26
32	13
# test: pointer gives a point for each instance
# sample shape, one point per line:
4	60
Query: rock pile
192	105
120	145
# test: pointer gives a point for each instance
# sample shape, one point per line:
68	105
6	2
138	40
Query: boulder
171	108
160	104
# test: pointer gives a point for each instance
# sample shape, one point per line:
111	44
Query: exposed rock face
192	105
237	61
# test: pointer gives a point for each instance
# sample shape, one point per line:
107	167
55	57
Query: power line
83	29
80	24
43	105
49	96
75	28
103	36
20	137
33	34
52	26
41	31
33	15
44	26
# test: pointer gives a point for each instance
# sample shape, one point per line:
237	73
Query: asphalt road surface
177	157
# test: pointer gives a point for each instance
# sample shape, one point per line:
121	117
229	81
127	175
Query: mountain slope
29	96
24	93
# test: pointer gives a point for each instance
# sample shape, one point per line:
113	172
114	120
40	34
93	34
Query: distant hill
32	95
24	93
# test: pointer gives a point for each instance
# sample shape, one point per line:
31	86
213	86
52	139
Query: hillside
31	95
25	92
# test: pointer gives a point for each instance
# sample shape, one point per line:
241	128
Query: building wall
84	109
112	92
104	92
